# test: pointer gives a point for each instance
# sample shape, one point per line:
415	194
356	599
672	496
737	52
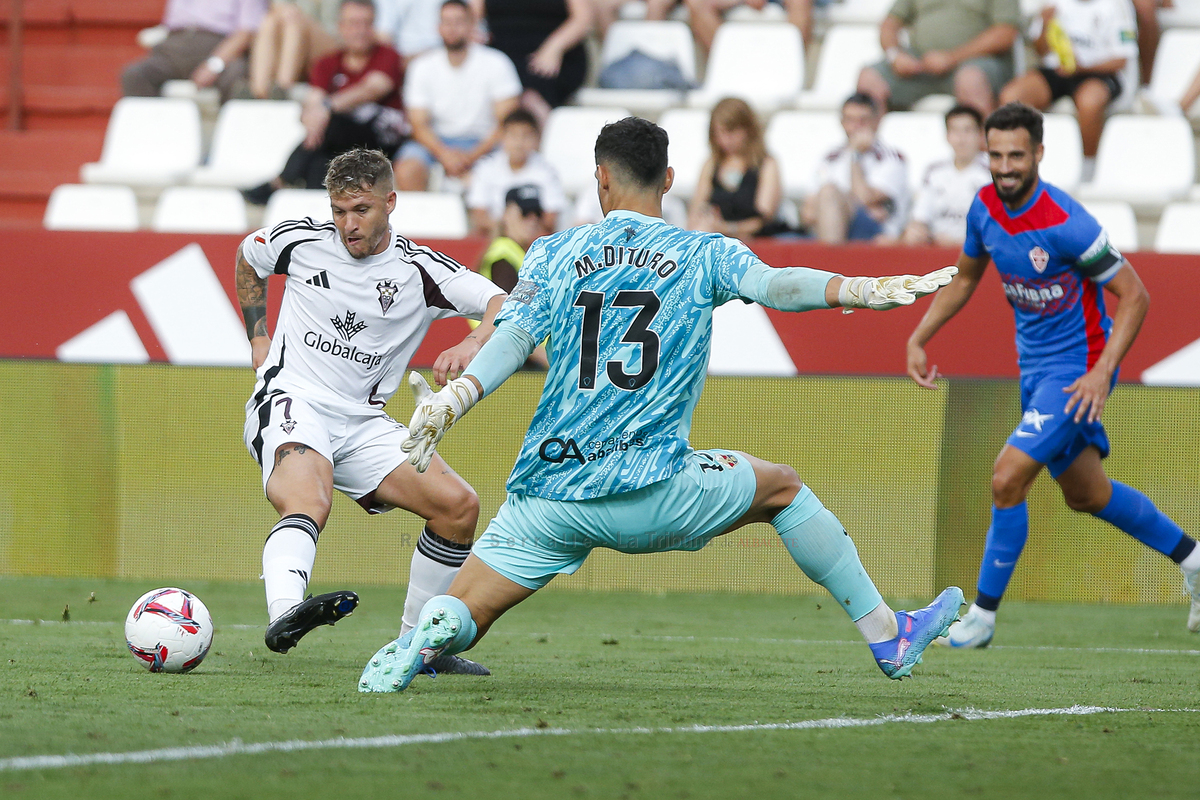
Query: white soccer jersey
1100	30
884	169
946	195
348	326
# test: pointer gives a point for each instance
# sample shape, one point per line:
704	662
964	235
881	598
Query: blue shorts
532	539
863	227
1047	434
414	149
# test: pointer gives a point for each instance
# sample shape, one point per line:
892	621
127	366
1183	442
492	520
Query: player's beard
1011	196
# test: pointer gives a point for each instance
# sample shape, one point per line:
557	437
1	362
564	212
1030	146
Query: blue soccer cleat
395	665
896	657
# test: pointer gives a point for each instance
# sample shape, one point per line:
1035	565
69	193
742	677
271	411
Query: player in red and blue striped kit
1054	260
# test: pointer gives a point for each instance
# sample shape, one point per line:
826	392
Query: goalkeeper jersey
1053	258
627	304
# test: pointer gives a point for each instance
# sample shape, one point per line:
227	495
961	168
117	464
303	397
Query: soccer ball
169	630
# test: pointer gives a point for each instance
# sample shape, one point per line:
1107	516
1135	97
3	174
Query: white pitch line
237	747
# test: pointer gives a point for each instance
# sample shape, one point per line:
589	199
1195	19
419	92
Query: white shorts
363	448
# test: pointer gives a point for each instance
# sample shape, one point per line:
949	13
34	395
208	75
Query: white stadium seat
668	40
1062	164
431	215
569	143
687	130
297	204
845	50
1179	229
1175	63
251	143
1119	220
75	207
195	209
799	140
1146	161
920	136
150	141
1182	14
762	63
862	12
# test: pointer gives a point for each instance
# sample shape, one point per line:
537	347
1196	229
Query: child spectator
516	163
939	213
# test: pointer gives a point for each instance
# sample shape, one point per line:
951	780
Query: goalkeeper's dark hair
1011	116
359	170
635	148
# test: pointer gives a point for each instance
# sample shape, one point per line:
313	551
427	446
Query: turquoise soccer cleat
897	657
395	665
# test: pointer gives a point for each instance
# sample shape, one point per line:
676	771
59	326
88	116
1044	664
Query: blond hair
359	170
732	113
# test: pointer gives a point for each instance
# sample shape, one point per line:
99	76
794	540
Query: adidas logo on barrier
321	280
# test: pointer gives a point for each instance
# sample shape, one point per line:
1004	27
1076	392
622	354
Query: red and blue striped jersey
1053	258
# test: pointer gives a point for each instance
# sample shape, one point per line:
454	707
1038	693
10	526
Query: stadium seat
1179	229
194	209
845	50
687	130
858	12
569	143
251	143
1182	14
75	207
1119	220
297	204
771	12
1062	164
920	136
150	141
429	215
1146	161
762	63
668	40
1177	60
799	140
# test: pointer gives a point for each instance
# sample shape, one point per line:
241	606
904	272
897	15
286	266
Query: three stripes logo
320	280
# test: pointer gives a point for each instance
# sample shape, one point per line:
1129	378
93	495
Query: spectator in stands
456	97
739	189
863	184
291	38
705	16
958	47
1148	33
354	102
207	42
516	163
1094	64
411	26
1190	96
544	39
939	214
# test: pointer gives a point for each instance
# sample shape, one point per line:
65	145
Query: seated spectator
863	184
705	16
958	47
544	40
206	43
354	102
739	188
456	97
293	35
1148	33
939	214
1093	64
516	163
411	26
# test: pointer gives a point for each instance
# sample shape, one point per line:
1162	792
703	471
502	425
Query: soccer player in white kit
357	303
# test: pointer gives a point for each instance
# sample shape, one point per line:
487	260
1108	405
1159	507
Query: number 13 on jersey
596	314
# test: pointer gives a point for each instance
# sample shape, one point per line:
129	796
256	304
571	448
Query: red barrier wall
56	284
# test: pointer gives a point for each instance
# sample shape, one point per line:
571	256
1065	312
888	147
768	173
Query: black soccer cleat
324	609
457	665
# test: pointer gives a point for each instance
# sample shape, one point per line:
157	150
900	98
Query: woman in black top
739	190
544	39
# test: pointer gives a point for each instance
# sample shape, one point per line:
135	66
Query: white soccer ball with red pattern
169	630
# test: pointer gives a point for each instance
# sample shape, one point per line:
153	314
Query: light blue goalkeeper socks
820	546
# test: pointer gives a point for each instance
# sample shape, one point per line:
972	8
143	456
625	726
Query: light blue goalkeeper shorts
532	539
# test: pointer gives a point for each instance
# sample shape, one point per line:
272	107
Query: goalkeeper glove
881	294
434	415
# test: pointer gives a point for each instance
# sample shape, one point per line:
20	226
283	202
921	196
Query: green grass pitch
602	696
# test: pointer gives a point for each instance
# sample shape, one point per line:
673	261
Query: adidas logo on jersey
321	280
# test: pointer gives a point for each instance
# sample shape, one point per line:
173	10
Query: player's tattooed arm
252	296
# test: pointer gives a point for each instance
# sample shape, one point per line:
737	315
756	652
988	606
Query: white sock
435	562
288	559
1192	562
879	625
987	616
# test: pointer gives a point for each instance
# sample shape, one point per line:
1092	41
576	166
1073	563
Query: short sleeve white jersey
493	176
348	326
883	167
1100	30
946	195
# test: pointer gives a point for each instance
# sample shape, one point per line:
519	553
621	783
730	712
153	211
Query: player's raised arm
252	297
947	303
451	363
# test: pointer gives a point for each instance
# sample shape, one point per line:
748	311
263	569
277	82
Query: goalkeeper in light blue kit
627	304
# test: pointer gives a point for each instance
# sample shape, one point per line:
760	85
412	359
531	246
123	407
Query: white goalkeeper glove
434	415
893	291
